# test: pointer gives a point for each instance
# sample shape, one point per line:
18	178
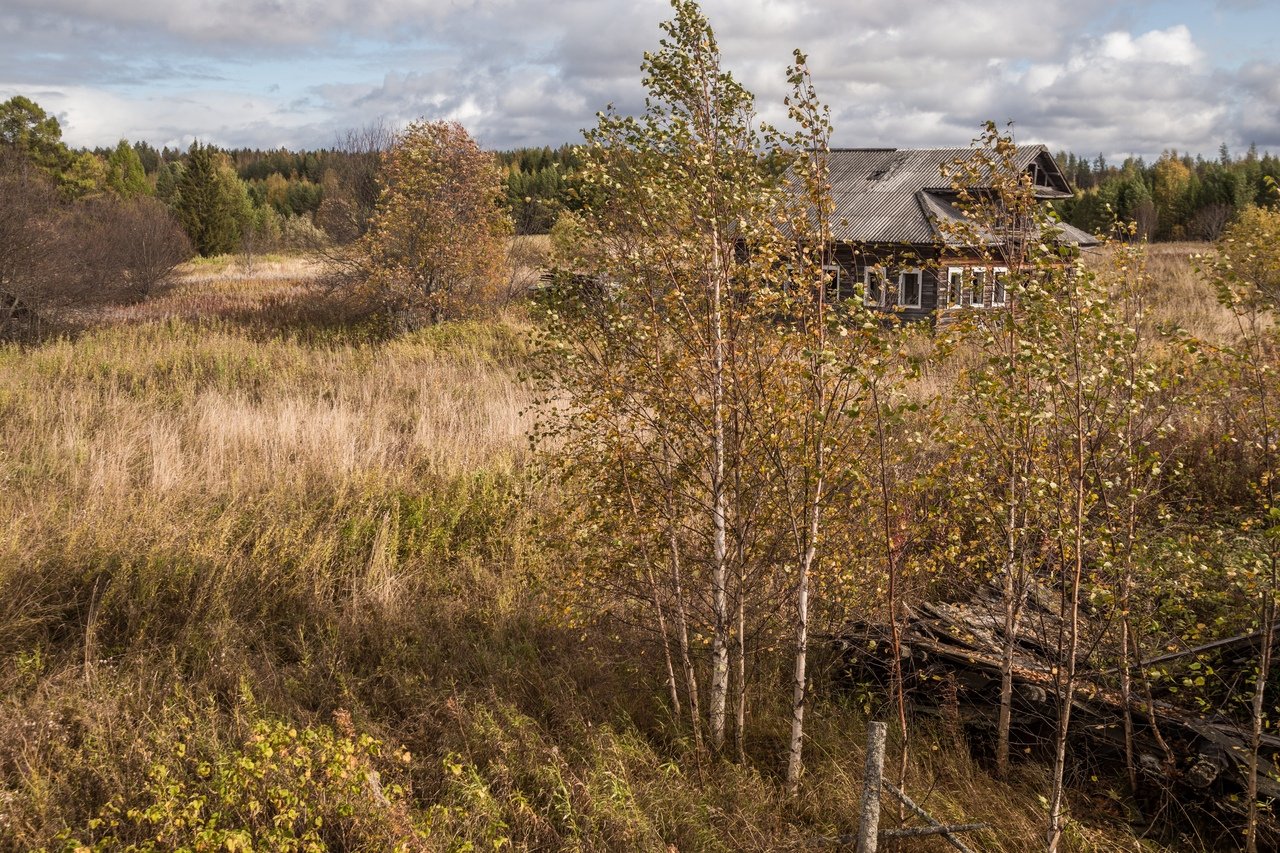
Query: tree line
1178	197
541	183
412	222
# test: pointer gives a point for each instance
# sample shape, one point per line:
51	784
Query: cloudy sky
1092	76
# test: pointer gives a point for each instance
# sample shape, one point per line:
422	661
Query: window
998	289
832	274
909	287
873	286
954	297
978	287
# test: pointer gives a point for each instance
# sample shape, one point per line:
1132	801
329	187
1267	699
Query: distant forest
1178	197
278	193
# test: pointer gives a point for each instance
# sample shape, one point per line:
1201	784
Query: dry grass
219	524
1180	295
159	410
184	498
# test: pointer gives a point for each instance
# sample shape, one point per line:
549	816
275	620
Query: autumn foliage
437	241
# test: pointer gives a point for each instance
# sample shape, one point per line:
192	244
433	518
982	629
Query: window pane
997	293
955	293
875	287
832	276
910	284
977	286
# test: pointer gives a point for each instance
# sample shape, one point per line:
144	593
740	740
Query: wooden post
873	775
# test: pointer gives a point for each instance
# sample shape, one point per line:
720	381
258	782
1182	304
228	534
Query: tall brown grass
1182	297
274	583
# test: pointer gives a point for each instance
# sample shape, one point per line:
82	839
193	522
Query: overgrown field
271	580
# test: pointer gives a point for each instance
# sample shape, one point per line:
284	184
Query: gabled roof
893	195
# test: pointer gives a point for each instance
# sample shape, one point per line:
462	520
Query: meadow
273	578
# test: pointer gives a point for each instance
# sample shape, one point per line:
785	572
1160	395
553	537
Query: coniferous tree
211	201
125	176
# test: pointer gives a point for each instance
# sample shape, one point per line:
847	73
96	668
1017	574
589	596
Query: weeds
282	590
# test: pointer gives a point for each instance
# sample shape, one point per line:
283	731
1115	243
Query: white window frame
902	274
999	274
867	272
978	279
947	301
834	283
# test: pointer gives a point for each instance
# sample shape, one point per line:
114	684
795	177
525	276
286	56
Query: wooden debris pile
13	312
1192	766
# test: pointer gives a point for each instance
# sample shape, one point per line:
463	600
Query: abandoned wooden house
893	248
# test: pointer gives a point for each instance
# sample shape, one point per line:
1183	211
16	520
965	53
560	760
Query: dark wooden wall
853	261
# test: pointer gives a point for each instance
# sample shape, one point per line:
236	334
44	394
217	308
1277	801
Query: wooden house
892	248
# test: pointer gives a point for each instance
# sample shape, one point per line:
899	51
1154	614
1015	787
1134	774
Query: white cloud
90	116
269	21
1173	46
896	72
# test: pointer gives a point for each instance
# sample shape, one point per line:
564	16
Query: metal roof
939	208
892	195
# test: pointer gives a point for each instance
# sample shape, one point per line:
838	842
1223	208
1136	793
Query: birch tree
806	419
1052	392
1246	275
1004	395
674	196
694	349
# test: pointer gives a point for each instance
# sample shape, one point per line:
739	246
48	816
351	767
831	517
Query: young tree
669	193
1246	275
1053	396
211	201
1004	395
436	243
667	359
820	364
124	175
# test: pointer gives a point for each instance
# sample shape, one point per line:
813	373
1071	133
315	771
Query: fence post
869	826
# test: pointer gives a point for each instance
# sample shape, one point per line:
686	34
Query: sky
1089	76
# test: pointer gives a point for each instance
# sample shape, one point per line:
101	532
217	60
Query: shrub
436	246
282	788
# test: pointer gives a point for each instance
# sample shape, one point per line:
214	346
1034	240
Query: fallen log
959	644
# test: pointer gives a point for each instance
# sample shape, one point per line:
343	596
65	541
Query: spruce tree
212	203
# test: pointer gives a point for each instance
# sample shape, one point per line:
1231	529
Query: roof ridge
1022	147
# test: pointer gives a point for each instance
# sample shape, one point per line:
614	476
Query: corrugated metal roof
938	208
891	195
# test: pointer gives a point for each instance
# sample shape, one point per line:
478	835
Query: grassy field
272	580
